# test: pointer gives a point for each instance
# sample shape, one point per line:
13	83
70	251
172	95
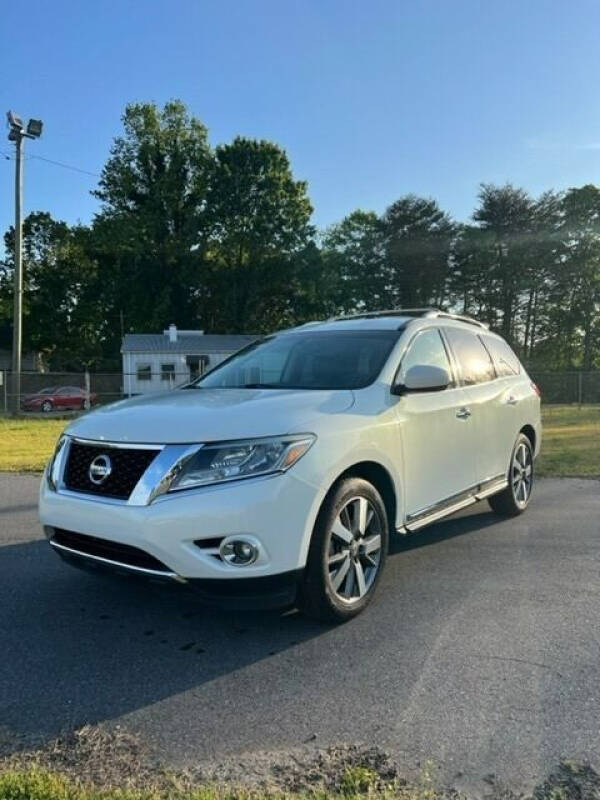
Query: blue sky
371	100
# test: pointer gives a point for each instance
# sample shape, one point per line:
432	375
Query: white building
153	362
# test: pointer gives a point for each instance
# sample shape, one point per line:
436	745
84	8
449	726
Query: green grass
27	444
570	442
570	446
36	783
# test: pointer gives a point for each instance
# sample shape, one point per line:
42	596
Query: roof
185	345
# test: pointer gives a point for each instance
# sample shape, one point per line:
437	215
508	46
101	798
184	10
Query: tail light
536	389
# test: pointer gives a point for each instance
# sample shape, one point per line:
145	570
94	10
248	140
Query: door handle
511	401
463	413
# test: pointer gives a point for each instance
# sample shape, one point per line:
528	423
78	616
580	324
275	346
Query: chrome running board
451	505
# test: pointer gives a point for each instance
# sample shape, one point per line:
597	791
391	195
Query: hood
204	415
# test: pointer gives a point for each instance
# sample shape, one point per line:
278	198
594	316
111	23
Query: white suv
278	477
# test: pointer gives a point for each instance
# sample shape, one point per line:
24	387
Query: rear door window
505	360
473	359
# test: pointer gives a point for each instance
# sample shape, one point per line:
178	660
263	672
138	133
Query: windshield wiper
260	386
243	386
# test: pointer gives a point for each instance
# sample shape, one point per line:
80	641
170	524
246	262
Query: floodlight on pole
18	133
34	128
14	121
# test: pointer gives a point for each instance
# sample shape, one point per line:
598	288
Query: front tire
47	406
513	500
347	553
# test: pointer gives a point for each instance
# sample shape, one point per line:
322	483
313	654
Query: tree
418	238
258	224
60	314
575	313
469	290
506	214
150	233
354	257
546	224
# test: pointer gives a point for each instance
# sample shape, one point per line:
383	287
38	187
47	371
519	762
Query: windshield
325	360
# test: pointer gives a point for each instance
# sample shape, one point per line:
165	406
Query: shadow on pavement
80	648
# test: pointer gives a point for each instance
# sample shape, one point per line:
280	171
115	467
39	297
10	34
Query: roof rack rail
457	317
414	312
393	312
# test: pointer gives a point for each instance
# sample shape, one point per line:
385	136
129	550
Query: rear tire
513	500
347	553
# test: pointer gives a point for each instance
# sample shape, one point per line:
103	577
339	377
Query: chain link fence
568	387
67	392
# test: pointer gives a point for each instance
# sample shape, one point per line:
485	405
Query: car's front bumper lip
120	566
263	592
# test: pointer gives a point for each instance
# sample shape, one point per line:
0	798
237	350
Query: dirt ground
106	757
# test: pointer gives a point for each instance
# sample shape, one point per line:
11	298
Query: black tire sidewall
47	406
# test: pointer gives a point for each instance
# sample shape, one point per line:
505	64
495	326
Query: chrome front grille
127	465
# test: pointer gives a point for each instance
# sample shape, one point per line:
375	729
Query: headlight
231	461
53	470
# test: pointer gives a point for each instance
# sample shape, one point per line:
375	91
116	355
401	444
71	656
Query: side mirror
423	378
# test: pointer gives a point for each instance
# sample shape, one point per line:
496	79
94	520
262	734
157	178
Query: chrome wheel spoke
341	532
361	515
335	558
360	579
516	478
341	573
349	587
345	517
372	544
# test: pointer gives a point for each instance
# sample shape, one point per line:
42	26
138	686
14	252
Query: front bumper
277	512
265	592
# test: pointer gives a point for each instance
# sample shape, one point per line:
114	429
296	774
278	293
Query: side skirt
451	505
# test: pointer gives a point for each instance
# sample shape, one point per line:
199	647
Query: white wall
131	362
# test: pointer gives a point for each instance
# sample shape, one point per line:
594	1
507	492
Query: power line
56	163
66	166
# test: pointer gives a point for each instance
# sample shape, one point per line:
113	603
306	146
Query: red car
57	398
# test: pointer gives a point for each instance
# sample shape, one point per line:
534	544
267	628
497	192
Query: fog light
238	552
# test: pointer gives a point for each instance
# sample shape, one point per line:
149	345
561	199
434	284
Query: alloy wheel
522	474
354	550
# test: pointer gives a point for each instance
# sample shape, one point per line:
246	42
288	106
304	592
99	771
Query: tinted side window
505	360
428	349
474	360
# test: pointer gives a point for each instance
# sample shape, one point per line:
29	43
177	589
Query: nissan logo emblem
100	469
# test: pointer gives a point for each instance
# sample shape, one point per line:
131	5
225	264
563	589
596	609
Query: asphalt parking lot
481	652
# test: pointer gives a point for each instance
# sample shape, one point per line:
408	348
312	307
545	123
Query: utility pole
17	134
18	276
